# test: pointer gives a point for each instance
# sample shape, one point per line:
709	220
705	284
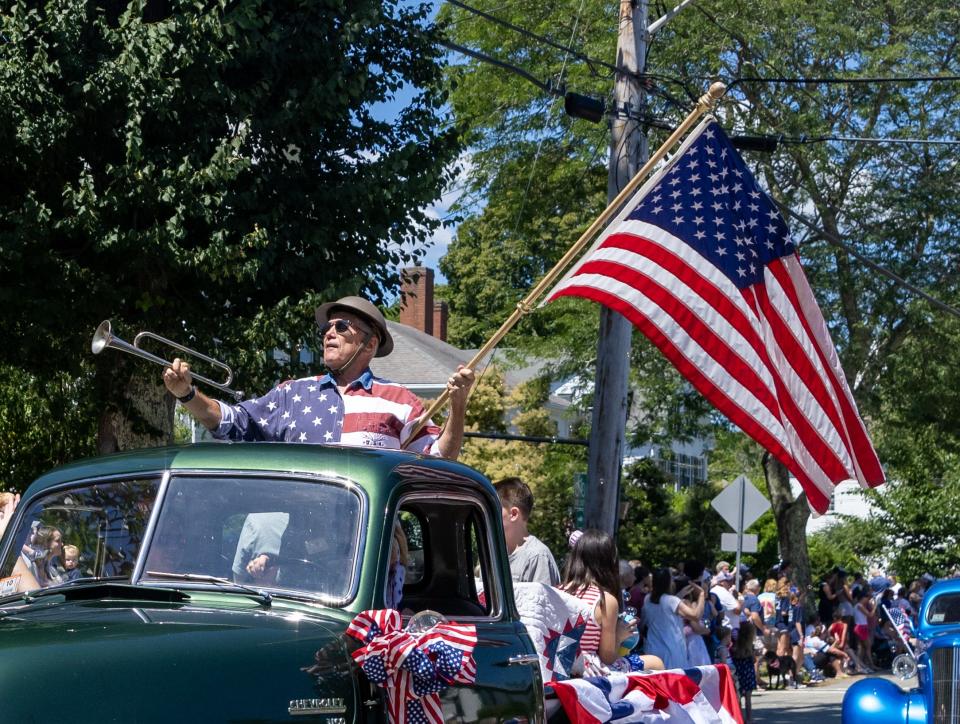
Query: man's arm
451	439
179	381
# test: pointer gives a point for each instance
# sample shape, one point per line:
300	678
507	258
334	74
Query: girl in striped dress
592	574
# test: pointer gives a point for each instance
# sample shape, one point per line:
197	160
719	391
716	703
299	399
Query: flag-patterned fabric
702	263
372	412
413	667
701	695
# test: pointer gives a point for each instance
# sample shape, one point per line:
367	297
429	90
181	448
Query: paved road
818	704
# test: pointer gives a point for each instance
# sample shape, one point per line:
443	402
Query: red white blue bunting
413	668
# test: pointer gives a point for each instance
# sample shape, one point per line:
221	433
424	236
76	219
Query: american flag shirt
372	412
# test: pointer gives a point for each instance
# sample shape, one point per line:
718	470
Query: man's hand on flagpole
458	387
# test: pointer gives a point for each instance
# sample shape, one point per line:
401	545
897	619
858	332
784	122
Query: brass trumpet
104	338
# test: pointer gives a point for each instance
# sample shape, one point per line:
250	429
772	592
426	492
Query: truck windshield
295	536
281	534
88	531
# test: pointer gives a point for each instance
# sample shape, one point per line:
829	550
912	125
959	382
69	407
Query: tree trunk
137	409
791	515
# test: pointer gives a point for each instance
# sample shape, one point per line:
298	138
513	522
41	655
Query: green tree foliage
539	171
919	514
34	416
851	543
662	526
208	171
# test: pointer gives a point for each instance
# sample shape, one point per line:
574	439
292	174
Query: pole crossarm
525	306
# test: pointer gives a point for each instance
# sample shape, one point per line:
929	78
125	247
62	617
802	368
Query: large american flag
702	263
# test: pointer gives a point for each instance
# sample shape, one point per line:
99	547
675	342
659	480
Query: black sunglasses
341	325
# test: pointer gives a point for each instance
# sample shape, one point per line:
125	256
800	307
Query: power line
859	139
534	36
738	39
831	80
645	78
769	142
546	87
840	244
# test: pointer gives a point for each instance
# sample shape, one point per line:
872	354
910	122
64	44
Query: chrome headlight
904	666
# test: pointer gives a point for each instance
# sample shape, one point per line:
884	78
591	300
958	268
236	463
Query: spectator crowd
770	631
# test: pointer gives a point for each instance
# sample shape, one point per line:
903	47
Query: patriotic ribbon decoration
413	668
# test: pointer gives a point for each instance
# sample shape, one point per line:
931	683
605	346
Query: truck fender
881	701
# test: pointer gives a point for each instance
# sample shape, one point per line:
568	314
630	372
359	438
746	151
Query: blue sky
440	209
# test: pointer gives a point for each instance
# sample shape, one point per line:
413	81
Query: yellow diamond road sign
741	492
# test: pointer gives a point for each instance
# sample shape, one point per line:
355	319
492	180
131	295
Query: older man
723	590
348	405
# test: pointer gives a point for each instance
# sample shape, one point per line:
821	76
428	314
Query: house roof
418	359
423	362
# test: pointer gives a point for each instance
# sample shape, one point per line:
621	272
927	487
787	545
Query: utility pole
628	152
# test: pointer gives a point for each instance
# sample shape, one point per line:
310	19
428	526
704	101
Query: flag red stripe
828	459
861	447
719	290
707	387
719	396
699	331
689	275
728	692
576	713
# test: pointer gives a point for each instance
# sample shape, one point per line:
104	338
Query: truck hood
200	656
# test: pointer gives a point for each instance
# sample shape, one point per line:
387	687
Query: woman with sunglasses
348	405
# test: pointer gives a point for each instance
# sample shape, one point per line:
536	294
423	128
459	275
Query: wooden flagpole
704	104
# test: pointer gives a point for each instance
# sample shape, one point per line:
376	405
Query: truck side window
449	564
413	529
480	563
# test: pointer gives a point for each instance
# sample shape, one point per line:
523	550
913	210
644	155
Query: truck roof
386	467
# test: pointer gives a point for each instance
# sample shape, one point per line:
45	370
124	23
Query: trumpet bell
102	337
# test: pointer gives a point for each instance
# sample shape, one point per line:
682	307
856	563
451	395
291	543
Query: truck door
458	566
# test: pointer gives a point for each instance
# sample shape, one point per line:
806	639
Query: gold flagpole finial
709	99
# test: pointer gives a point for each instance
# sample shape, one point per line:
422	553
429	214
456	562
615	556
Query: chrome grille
945	668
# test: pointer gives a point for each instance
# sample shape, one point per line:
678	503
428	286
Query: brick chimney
416	298
440	320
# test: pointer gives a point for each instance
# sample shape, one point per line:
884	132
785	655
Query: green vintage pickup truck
216	582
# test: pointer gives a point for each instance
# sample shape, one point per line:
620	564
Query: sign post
740	504
579	499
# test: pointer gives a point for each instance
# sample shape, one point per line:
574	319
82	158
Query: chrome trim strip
151	525
306	707
523	659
